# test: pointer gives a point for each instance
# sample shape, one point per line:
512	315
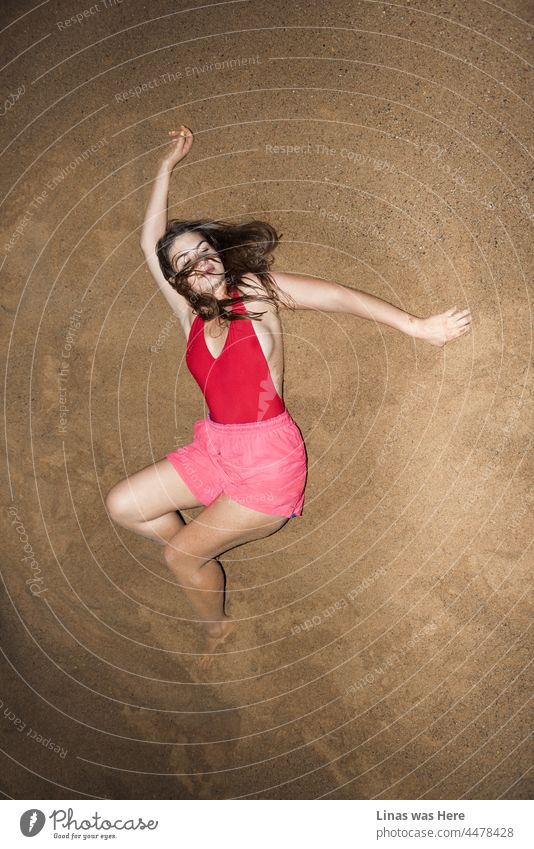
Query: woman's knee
175	556
179	561
119	503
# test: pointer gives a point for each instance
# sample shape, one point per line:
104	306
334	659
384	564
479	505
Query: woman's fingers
458	315
183	132
183	136
454	310
462	317
180	142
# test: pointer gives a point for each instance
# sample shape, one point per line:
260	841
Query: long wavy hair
242	248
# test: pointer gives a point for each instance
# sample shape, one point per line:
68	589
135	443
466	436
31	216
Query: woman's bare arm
314	293
155	221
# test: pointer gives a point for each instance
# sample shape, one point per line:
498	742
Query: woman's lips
205	269
208	271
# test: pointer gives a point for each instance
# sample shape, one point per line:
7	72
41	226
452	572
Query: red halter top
236	385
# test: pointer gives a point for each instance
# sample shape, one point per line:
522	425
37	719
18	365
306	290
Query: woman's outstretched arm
313	293
155	221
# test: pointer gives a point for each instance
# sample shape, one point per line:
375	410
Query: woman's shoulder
268	326
251	285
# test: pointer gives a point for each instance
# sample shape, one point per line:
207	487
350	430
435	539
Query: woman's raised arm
155	221
314	293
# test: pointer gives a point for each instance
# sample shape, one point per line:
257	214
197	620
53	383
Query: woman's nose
203	262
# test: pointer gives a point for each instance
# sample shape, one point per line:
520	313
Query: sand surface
384	640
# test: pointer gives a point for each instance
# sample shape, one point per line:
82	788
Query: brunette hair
242	248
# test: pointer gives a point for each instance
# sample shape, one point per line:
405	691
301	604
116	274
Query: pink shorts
262	465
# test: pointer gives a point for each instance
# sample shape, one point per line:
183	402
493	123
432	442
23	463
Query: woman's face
208	273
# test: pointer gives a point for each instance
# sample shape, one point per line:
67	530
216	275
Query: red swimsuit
237	385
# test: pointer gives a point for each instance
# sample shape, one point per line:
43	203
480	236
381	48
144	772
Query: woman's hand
155	221
443	328
179	146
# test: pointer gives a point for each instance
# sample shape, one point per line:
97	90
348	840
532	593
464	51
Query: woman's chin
213	287
216	286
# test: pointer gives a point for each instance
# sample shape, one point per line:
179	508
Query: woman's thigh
223	525
149	493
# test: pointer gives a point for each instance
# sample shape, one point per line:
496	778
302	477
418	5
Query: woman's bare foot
215	633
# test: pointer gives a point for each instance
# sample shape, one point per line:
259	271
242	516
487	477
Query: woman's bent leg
146	502
191	554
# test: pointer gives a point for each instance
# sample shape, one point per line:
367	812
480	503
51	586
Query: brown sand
384	641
